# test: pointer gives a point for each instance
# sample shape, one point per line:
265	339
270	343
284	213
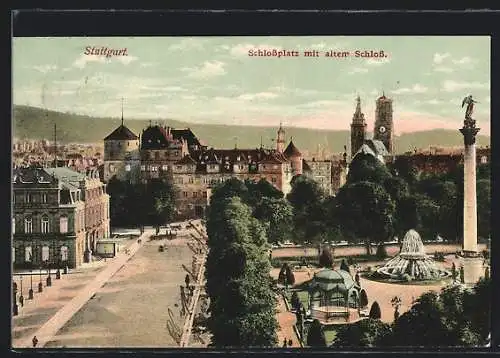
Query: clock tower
358	129
384	128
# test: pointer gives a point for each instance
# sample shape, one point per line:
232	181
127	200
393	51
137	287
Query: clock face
382	129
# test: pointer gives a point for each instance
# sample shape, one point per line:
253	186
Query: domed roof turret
328	279
292	151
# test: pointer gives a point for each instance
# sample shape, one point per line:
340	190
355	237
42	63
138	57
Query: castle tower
295	158
280	140
384	128
358	128
121	149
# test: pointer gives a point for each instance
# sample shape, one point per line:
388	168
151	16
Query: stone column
469	132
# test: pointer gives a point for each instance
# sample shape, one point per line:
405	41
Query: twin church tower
383	130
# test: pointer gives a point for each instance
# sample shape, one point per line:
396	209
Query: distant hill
37	123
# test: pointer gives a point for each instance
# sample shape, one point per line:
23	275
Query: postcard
251	192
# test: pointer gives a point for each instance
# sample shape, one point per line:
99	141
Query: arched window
45	224
484	159
44	197
45	253
28	254
13	254
63	224
28	225
64	253
13	225
127	167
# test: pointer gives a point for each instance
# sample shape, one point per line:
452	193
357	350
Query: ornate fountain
412	263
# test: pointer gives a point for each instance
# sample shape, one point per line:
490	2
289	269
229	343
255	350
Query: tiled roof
292	151
122	133
187	160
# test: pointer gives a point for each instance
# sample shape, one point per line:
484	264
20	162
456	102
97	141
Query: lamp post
40	284
49	278
30	292
21	298
15	308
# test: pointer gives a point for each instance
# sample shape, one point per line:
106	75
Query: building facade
321	172
48	220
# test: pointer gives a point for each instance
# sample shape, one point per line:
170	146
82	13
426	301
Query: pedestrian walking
284	343
35	341
290	343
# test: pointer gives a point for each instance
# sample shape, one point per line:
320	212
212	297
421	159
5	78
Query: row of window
45	254
195	194
33	198
44	225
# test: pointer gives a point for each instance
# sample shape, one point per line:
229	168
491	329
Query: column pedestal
473	269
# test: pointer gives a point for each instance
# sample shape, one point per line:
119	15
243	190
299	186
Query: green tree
307	199
364	333
242	301
295	301
375	312
326	258
484	208
344	266
365	211
365	167
363	298
425	312
316	335
276	215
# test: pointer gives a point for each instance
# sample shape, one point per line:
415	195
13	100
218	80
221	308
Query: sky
214	80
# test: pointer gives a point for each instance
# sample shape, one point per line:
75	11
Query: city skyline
213	80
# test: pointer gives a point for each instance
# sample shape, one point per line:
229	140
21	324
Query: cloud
186	44
439	57
147	64
256	96
463	61
357	70
45	68
206	70
82	61
377	61
443	69
454	86
125	59
417	88
322	103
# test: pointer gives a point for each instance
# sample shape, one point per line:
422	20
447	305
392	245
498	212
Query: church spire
122	111
358	105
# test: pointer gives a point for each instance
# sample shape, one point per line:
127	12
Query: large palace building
194	168
58	216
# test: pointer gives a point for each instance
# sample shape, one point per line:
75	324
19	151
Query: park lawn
330	336
303	297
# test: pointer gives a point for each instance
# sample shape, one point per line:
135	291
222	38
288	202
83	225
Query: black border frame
257	22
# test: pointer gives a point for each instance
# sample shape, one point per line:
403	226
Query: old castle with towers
194	168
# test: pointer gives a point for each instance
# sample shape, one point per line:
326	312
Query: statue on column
469	110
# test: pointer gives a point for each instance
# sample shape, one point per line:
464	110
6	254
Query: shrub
326	259
405	277
295	301
344	266
290	277
316	336
375	311
381	252
439	256
363	298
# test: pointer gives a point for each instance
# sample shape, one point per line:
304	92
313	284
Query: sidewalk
286	321
48	330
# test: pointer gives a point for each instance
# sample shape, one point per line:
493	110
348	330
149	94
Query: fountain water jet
412	261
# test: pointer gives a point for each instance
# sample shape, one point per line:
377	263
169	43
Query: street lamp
15	308
21	298
30	292
49	278
40	284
